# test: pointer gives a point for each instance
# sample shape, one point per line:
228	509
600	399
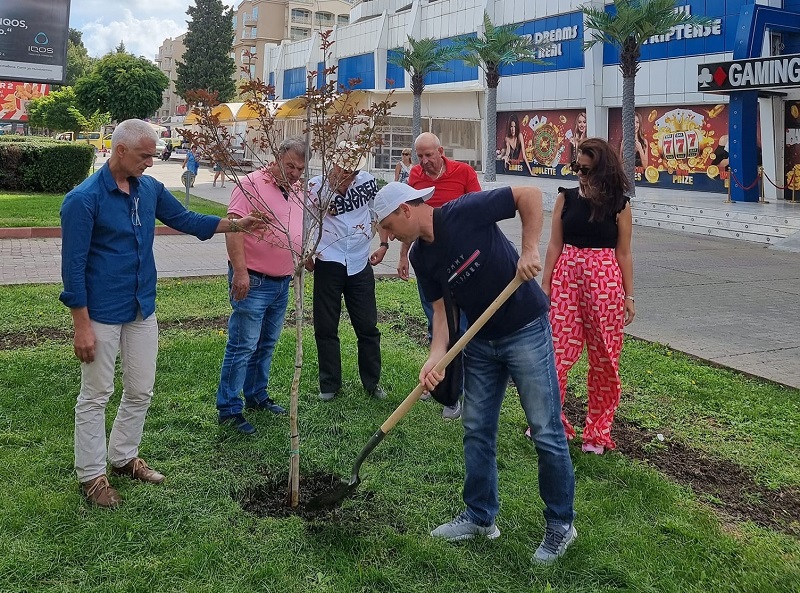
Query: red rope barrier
773	183
737	182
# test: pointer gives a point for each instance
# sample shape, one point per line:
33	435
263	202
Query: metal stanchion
728	201
761	199
793	200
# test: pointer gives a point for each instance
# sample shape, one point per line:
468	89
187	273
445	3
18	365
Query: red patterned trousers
587	306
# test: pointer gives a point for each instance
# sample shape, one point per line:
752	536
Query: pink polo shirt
272	255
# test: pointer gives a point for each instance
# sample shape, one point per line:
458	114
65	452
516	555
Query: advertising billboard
33	40
15	96
680	147
791	157
538	142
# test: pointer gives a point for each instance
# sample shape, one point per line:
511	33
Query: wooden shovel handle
412	397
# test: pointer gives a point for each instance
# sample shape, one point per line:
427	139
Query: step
742	212
709	231
713	219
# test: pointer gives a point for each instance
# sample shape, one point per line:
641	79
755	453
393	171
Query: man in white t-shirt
343	268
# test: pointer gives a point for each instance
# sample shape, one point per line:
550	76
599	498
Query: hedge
40	164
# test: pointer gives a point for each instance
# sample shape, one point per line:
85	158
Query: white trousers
137	342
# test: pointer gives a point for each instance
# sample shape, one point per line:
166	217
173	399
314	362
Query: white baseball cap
349	156
389	198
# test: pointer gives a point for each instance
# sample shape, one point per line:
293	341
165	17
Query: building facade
261	23
685	133
171	52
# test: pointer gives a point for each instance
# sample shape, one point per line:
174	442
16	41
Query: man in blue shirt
459	247
109	275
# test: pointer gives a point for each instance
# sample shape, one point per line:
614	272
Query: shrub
39	164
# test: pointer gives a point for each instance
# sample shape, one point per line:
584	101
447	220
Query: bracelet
235	228
630	298
384	244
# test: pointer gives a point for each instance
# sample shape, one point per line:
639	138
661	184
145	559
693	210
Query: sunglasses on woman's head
576	168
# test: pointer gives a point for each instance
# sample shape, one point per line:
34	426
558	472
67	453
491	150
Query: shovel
347	487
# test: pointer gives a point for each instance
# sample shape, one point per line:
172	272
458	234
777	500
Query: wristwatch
384	244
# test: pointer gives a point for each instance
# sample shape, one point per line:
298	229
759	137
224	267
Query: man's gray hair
295	144
131	132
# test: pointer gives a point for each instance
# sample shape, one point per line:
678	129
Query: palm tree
497	47
628	26
420	59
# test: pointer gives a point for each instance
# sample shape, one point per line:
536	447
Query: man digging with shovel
459	247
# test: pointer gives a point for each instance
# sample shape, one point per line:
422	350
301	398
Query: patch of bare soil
269	499
728	488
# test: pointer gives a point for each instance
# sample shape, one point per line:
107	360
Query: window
343	19
461	140
324	19
255	13
300	16
253	32
234	22
296	33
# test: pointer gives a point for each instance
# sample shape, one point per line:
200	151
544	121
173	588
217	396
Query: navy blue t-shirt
478	261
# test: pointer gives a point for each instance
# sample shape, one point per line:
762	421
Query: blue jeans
526	355
253	330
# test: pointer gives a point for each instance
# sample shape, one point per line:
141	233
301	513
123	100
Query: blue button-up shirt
107	261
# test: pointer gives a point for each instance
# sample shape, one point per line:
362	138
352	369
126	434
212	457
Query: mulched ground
726	487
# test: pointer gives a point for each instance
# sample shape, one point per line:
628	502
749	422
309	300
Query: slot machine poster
678	147
791	156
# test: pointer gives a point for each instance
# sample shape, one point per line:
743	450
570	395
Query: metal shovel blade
346	487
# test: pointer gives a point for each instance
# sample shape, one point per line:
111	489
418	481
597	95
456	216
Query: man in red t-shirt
452	179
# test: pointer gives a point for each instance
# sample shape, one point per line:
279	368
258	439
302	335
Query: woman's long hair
606	183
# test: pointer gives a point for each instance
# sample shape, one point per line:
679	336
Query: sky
141	24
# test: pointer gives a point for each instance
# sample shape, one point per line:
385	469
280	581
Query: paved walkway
731	302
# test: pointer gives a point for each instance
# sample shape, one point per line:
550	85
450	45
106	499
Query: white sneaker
452	412
557	538
462	528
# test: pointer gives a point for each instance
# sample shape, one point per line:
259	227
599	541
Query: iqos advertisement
33	40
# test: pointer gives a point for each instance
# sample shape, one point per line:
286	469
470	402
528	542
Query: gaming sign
745	75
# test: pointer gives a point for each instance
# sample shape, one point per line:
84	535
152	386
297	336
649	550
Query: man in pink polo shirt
260	270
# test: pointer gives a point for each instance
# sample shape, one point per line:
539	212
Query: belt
263	276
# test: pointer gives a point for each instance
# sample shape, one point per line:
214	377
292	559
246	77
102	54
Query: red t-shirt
457	180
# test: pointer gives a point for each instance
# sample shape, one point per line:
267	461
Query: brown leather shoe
138	469
101	493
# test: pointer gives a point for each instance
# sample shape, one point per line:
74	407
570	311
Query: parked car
161	144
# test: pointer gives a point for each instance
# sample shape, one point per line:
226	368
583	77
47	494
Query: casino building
693	133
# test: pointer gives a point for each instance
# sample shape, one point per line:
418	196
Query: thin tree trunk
628	129
294	438
491	135
416	125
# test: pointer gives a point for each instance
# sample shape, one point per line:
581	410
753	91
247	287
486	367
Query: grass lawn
638	530
41	210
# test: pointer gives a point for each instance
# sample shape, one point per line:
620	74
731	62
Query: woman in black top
588	274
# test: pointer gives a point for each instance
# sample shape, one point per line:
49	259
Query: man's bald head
427	140
429	153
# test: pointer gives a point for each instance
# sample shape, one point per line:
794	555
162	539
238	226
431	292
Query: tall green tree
57	111
419	59
207	64
628	24
122	85
120	49
79	64
493	48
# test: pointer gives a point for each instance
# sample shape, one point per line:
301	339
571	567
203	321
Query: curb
54	232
